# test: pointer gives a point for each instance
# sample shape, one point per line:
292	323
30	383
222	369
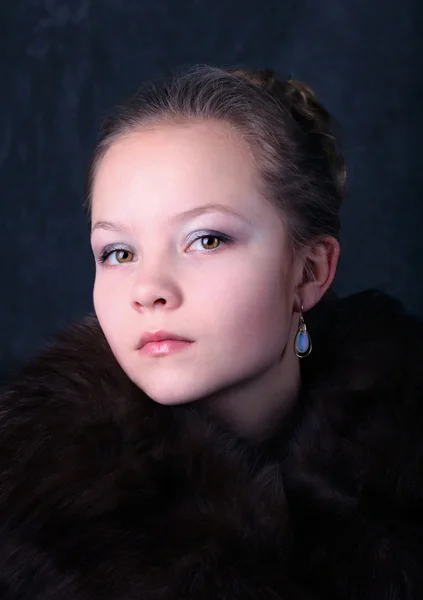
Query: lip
160	336
164	348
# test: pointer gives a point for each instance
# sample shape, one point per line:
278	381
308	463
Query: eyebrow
177	218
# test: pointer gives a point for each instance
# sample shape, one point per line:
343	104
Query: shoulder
69	425
365	341
63	386
362	416
354	466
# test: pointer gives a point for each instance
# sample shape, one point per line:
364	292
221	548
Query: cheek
108	305
109	288
254	307
100	298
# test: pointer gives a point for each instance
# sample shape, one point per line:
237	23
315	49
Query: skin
238	302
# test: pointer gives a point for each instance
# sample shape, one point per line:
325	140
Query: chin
170	395
172	401
175	393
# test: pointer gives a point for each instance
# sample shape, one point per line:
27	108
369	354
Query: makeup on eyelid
223	239
132	236
202	211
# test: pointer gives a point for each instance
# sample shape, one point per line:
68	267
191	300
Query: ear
319	267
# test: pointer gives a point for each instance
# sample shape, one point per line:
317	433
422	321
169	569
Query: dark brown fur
105	494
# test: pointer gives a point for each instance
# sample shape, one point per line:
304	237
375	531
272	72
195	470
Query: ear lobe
320	264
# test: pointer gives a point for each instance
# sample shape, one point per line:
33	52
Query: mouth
162	343
164	347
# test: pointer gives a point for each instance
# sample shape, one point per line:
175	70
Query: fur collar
106	494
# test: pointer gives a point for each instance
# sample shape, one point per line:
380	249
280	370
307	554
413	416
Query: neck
255	408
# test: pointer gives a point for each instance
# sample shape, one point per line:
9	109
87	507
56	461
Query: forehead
170	168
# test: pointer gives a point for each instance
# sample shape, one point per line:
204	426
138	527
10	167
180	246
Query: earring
302	343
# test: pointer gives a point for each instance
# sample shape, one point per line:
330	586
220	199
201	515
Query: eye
123	256
120	256
211	240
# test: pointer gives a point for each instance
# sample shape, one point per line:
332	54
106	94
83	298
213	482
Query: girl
223	427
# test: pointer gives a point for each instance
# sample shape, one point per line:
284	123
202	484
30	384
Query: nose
155	288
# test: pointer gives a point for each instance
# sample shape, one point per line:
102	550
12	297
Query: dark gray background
63	63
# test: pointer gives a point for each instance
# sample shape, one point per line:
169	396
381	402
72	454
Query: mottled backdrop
63	63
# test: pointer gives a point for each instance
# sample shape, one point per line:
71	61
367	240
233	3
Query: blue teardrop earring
302	342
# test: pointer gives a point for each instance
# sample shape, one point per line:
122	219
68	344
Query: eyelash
225	239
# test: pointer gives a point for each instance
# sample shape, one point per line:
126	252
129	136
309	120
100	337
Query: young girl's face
185	242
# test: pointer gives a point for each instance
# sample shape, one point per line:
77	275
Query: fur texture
105	494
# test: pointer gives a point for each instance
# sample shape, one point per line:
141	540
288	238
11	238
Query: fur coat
104	494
